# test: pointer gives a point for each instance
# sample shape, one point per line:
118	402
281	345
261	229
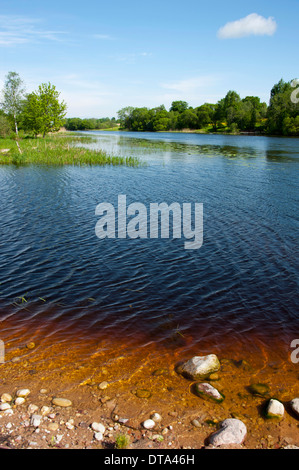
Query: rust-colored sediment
68	364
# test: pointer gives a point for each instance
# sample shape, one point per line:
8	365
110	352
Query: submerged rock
208	392
149	424
232	431
143	393
64	402
200	367
275	409
259	389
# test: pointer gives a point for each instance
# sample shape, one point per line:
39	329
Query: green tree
5	127
179	106
43	112
280	108
13	96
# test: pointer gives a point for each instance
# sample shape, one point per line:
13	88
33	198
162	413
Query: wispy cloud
132	57
189	85
106	37
251	25
16	30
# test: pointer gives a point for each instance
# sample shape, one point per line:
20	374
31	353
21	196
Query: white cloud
252	24
189	85
21	30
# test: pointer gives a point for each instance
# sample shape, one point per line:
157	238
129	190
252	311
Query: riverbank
58	149
111	387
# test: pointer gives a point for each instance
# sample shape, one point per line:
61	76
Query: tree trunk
17	135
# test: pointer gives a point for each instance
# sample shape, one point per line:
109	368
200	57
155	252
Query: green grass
122	441
58	149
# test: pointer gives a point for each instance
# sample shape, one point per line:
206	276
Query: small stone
8	426
213	376
69	425
98	436
35	420
4	406
45	410
103	385
98	427
232	431
19	401
123	420
53	427
156	417
200	367
196	423
275	409
43	391
259	389
58	438
23	392
143	393
149	424
32	408
63	402
207	391
8	412
30	345
6	398
159	372
295	405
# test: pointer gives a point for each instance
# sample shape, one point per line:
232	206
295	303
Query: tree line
230	114
38	112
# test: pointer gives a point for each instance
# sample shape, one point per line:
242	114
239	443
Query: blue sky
103	56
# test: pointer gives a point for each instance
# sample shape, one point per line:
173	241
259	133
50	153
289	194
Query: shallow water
238	292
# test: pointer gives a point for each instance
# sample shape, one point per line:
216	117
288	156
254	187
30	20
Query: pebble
35	420
196	423
69	425
19	401
98	436
207	391
43	391
98	427
259	389
200	367
156	417
6	397
275	409
103	385
295	405
4	406
143	393
30	345
148	424
53	426
45	410
232	431
32	408
23	392
64	402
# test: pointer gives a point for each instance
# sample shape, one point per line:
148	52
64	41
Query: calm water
242	282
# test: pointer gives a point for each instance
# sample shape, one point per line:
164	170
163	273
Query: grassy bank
58	149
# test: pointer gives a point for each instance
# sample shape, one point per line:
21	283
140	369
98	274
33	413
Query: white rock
23	392
58	438
200	366
4	406
275	409
19	401
149	424
295	405
35	420
98	436
69	425
32	408
207	390
156	417
98	427
103	385
232	431
45	410
8	426
8	412
6	397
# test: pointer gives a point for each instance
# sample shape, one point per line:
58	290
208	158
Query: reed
59	149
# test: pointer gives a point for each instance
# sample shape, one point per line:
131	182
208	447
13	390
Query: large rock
232	431
275	409
295	406
208	392
200	367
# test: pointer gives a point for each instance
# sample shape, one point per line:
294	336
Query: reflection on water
58	277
